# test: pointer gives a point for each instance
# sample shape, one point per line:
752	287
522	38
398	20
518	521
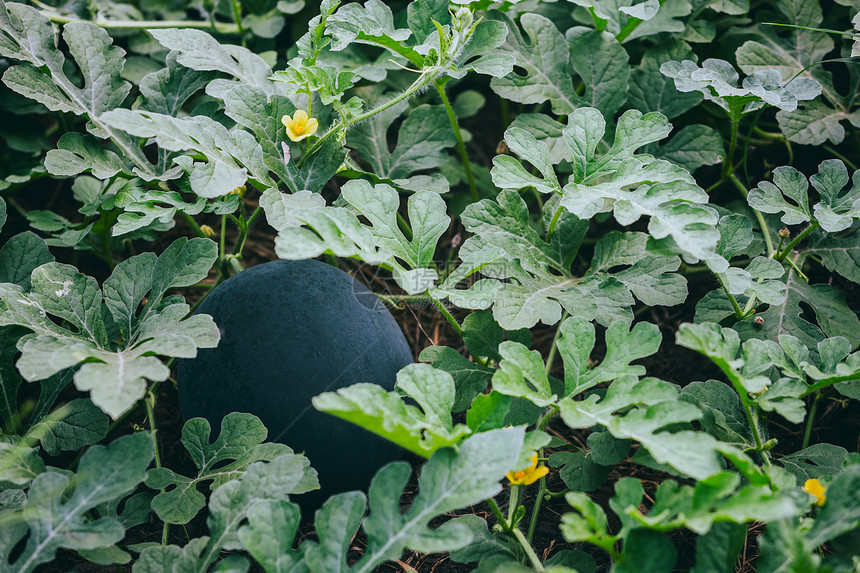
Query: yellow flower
300	126
207	230
814	488
529	475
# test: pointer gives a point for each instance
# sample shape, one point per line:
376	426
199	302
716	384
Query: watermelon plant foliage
641	221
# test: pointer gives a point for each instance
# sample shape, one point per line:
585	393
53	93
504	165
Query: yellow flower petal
529	475
814	488
299	126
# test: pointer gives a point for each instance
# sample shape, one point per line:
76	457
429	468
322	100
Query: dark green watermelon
291	330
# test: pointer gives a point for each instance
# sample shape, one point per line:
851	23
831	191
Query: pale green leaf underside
692	453
385	413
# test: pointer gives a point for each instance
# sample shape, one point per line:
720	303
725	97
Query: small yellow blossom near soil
207	230
529	475
813	487
300	125
240	191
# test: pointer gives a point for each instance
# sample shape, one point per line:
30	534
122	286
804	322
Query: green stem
404	226
513	504
461	147
553	348
688	270
779	244
107	250
147	24
253	216
498	513
193	224
545	418
222	242
553	223
793	264
247	230
735	116
753	422
235	220
527	547
750	305
542	490
738	310
538	199
825	30
506	114
829	382
632	24
629	27
395	299
752	419
536	509
807	433
599	23
448	316
719	182
242	223
237	15
835	153
150	416
855	137
221	278
748	405
785	252
17	206
765	229
767	134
